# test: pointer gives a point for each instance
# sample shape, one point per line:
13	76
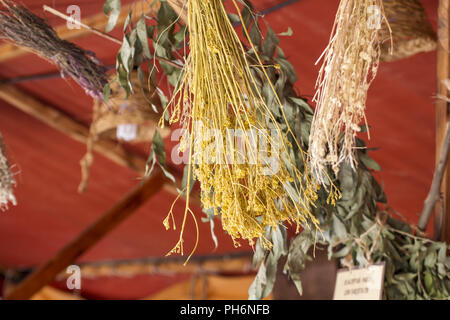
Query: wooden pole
442	217
435	191
237	263
82	243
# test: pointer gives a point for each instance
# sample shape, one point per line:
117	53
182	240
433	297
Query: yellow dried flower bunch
242	163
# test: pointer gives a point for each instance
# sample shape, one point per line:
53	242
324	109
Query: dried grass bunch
350	64
26	29
410	27
218	95
7	180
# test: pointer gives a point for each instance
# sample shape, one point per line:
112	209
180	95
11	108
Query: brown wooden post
442	217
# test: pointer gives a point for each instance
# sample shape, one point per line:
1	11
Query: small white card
360	284
127	132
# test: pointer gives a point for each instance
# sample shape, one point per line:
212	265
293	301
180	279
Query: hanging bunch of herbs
22	27
356	227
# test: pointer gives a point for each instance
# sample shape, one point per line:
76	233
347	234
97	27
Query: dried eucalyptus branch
102	34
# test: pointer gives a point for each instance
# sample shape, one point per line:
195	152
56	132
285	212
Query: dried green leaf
369	162
287	33
141	28
112	8
270	43
158	148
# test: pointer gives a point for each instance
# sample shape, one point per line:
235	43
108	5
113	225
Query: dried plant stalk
350	64
24	28
218	93
6	180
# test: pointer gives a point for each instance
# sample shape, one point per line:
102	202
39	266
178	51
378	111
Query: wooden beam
238	263
225	264
442	216
65	124
98	21
82	243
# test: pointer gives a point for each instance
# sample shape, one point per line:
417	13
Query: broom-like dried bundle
350	64
218	96
24	28
409	28
6	180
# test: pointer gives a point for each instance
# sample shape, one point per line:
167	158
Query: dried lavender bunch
6	180
26	29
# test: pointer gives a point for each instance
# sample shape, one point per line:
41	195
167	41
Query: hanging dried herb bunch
6	180
24	28
350	64
250	180
409	30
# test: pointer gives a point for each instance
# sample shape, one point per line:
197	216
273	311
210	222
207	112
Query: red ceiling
50	212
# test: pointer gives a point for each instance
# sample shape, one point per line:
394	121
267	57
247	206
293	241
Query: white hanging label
127	132
360	284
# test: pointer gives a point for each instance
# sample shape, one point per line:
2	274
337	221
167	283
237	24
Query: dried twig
81	24
435	191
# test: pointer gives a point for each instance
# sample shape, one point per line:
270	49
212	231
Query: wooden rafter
229	263
221	265
443	115
109	220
